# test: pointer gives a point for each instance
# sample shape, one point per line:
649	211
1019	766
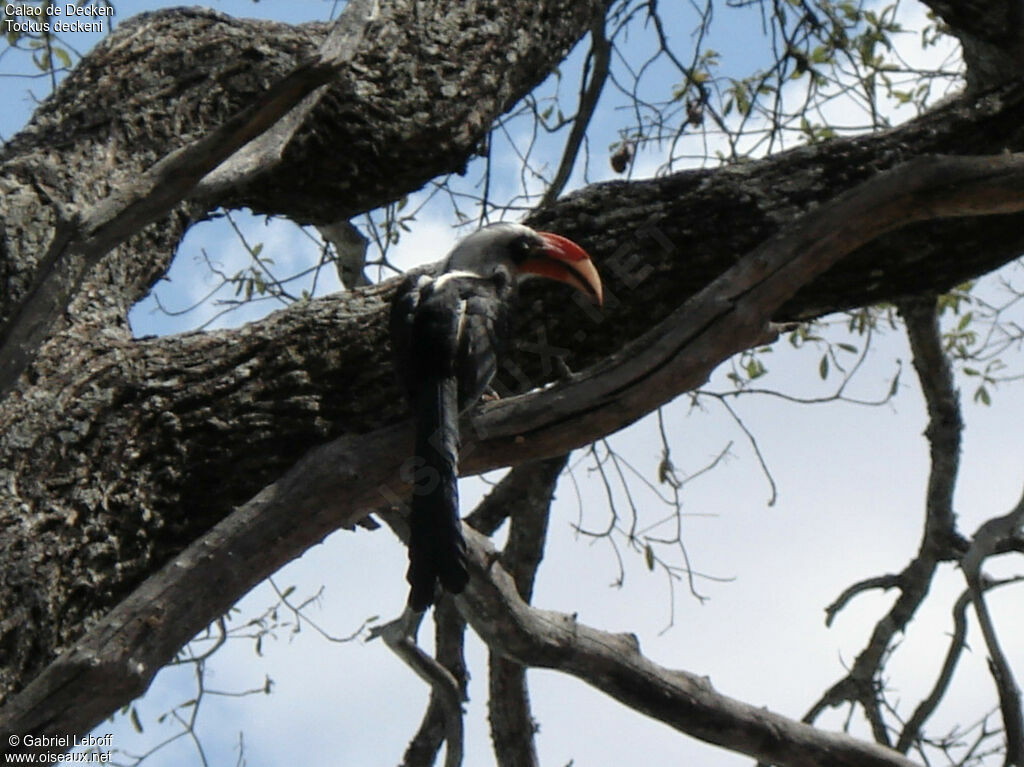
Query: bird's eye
520	249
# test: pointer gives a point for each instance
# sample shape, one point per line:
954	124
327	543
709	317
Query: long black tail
437	550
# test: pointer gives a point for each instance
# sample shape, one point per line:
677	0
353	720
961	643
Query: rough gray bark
116	454
991	33
339	483
85	233
433	76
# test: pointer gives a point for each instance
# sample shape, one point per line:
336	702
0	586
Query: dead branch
449	633
614	664
884	582
446	692
911	731
985	541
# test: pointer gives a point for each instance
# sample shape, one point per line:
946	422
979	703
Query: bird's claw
562	369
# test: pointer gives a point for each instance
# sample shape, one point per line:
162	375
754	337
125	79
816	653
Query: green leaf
820	55
982	396
742	102
895	384
823	367
649	557
136	722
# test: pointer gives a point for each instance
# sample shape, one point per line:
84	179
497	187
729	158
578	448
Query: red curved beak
565	261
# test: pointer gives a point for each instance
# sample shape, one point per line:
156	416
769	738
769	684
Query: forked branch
83	237
338	483
614	664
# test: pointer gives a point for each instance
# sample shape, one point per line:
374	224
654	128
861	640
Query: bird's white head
524	252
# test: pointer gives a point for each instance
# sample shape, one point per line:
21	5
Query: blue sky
850	481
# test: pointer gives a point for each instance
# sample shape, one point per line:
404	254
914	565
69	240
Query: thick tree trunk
991	33
115	453
82	517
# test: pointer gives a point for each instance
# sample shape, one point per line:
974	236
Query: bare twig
985	542
939	541
600	59
449	632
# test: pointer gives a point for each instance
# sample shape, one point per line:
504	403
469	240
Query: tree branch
82	238
340	482
939	540
911	731
445	673
600	60
512	724
884	582
446	691
945	424
985	541
613	664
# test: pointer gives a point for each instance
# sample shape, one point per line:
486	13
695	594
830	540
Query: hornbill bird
447	333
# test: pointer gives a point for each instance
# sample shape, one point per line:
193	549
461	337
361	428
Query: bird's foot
562	369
